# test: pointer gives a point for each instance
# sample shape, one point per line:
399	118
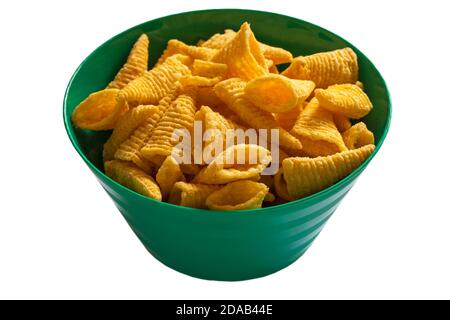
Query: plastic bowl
212	244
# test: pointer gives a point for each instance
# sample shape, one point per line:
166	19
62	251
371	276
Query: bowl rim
299	202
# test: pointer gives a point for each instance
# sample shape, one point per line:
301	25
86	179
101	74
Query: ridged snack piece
198	81
219	40
168	174
130	176
214	122
191	195
242	55
325	68
286	120
130	149
239	195
209	69
342	122
231	91
316	130
276	93
281	187
357	136
125	127
180	116
238	162
136	65
100	110
207	97
306	176
155	84
345	99
277	55
178	47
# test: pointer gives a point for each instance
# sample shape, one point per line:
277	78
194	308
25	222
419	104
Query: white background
62	237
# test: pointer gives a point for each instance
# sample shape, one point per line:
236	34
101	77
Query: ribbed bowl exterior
224	245
209	244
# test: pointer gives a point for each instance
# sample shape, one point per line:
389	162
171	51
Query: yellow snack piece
231	91
270	197
360	84
212	120
238	162
242	55
130	176
277	55
325	68
273	69
281	187
100	110
198	81
178	47
136	65
316	130
286	120
357	136
125	128
305	176
168	174
209	69
277	93
191	195
180	116
219	40
345	99
157	83
342	122
207	97
130	149
238	195
189	169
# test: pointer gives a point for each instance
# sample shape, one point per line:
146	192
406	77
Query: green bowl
212	244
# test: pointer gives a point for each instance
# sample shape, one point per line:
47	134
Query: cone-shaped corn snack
305	176
238	162
125	127
277	93
176	46
100	110
136	65
168	174
243	55
277	55
198	81
342	122
209	69
231	91
191	195
316	130
286	120
155	84
219	40
130	149
238	195
130	176
179	116
344	99
357	136
325	68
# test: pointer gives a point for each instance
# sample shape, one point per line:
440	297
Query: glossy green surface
220	245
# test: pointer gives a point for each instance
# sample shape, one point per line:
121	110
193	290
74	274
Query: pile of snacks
231	82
